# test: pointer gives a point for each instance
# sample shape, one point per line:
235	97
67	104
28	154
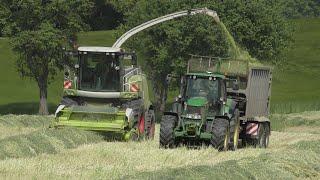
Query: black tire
68	102
167	126
235	130
150	123
263	136
220	134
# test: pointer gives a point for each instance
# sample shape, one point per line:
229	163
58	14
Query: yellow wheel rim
236	135
226	140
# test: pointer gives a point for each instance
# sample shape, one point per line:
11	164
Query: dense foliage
257	26
299	9
39	30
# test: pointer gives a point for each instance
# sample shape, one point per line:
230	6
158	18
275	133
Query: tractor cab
203	95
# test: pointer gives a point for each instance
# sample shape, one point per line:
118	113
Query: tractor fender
172	114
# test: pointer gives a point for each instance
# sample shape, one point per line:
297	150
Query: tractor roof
206	75
99	49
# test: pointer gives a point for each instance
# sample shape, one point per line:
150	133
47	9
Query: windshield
99	72
203	87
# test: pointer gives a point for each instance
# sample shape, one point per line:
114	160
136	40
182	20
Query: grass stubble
72	154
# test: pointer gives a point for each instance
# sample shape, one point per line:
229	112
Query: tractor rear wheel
150	124
220	134
167	126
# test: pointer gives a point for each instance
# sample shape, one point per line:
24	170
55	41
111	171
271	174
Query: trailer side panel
258	92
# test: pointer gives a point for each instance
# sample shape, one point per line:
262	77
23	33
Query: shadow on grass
24	108
225	170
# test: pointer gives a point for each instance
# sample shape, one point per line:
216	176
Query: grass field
69	153
296	84
20	96
295	88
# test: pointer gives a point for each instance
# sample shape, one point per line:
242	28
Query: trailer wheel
150	123
167	126
263	136
220	134
235	130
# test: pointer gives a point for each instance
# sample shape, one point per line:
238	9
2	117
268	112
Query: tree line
40	29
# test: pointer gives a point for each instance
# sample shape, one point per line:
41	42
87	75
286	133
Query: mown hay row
48	141
30	121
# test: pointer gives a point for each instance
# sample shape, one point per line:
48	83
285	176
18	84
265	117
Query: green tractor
105	91
218	102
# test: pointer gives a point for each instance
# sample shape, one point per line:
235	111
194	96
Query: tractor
222	102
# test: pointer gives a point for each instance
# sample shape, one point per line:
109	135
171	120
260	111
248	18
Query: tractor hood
197	101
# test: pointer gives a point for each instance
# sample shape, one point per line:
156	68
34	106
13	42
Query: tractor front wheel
220	134
167	126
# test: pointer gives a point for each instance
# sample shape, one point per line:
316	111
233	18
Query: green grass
20	96
296	86
27	136
280	122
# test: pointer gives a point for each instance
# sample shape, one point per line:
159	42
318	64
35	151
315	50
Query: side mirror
66	74
179	98
235	86
134	60
168	79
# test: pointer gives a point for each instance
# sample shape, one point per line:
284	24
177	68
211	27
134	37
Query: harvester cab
222	102
105	91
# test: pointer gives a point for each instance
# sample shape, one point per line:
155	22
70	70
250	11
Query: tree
3	13
39	30
104	16
257	26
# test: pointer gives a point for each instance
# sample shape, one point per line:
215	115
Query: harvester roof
99	49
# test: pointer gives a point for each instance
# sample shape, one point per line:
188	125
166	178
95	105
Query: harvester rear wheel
150	124
167	126
220	134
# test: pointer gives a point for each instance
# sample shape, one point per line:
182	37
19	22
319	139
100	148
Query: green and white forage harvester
105	90
222	102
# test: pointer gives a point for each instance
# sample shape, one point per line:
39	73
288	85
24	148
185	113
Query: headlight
193	116
197	116
189	116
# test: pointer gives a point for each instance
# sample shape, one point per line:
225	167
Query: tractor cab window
203	87
99	72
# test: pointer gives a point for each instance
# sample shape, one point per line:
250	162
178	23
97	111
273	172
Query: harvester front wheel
220	134
167	126
150	124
